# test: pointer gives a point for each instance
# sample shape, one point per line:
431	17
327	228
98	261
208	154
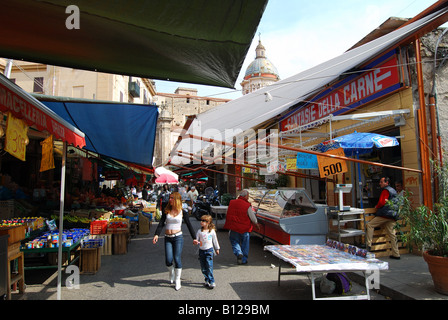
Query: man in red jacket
384	217
240	219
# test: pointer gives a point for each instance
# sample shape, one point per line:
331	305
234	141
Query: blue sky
299	34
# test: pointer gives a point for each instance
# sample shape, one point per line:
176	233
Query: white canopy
226	121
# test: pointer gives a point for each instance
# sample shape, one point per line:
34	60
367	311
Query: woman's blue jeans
206	260
173	251
240	244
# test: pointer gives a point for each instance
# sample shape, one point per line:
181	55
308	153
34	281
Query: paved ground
142	275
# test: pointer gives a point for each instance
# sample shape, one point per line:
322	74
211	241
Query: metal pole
8	68
61	218
423	132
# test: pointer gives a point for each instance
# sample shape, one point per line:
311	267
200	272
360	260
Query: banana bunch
72	219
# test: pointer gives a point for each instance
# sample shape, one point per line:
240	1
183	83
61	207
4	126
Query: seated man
384	216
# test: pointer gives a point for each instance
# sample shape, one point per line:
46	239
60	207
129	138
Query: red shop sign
376	82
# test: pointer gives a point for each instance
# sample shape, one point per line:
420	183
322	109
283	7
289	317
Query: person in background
193	195
145	192
208	244
384	217
240	220
399	188
172	218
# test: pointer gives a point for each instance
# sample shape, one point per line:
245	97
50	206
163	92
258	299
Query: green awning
194	41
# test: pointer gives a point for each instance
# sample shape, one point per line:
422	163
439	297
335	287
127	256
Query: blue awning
120	131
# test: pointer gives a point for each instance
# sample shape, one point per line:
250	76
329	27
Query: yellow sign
330	166
16	137
47	162
291	164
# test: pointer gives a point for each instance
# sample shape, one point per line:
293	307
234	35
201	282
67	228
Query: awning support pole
61	218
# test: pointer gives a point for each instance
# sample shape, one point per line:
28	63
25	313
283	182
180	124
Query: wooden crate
13	249
120	242
90	260
380	242
16	233
143	224
106	249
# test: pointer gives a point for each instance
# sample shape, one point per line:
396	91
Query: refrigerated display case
289	216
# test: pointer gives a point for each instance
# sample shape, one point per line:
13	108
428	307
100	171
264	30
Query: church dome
260	73
261	66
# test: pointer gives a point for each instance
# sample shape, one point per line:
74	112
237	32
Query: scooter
200	207
203	204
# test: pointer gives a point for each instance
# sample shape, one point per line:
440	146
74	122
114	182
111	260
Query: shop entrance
371	175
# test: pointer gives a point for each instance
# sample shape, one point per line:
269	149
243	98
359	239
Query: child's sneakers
209	285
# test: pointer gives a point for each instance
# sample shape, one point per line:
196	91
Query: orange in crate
98	227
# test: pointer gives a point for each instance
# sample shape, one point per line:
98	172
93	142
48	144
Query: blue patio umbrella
357	143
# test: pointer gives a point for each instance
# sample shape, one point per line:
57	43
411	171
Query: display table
54	250
219	211
19	278
314	259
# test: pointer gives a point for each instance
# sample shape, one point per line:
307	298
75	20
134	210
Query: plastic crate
98	227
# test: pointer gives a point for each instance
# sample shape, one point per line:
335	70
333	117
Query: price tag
330	166
16	137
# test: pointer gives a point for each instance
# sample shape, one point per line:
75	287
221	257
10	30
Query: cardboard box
143	224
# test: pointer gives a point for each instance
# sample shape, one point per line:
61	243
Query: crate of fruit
117	225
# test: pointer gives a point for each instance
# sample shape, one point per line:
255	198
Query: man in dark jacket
240	219
384	217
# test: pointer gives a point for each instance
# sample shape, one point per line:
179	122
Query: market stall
332	256
289	216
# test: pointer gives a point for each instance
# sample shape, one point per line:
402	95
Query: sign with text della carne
348	94
331	166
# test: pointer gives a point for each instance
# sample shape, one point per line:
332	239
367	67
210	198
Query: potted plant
429	231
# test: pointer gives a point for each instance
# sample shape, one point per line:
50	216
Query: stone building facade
75	83
175	108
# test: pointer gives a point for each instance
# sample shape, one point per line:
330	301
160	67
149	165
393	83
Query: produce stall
48	244
289	216
332	256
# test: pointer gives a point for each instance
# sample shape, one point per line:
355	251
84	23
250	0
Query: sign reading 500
330	166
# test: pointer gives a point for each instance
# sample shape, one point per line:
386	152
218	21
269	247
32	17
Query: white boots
171	273
174	275
177	274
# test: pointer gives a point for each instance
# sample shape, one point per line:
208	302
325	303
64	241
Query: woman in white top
174	240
